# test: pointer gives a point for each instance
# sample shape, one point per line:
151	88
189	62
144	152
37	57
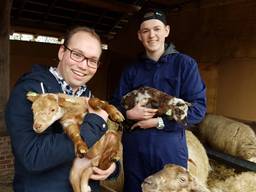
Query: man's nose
83	64
151	33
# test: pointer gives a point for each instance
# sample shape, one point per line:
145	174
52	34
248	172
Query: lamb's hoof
86	188
81	150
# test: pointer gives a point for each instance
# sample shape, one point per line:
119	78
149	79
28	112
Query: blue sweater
43	161
148	150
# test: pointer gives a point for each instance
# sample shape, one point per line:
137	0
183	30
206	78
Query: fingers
145	124
149	110
135	125
99	174
140	113
149	113
98	177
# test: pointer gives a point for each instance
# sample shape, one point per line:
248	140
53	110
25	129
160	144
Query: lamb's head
46	110
178	109
172	178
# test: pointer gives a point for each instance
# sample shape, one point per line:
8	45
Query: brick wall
6	160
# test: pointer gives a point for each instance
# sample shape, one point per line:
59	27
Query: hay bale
228	136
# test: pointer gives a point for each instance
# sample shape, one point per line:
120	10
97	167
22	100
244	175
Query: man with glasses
43	162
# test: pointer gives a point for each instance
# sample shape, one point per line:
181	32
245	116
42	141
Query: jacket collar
149	63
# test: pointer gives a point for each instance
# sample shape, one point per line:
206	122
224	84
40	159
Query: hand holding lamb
172	107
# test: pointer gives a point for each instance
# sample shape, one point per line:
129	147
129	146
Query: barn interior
219	34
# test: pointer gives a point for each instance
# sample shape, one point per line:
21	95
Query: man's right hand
138	113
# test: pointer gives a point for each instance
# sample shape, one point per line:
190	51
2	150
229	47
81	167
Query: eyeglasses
79	57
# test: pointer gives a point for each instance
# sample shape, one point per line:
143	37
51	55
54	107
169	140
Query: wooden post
5	15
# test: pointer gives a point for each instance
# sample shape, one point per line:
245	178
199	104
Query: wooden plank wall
4	57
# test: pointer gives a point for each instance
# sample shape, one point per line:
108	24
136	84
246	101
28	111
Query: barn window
41	39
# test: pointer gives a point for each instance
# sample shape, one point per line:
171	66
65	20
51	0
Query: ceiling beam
111	5
172	2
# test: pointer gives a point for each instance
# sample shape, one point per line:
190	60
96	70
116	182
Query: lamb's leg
111	151
85	179
114	114
73	132
76	172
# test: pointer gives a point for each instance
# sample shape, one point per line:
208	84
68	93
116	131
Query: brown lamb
70	111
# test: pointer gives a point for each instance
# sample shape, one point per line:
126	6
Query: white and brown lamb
168	105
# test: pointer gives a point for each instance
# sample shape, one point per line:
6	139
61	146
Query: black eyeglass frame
88	60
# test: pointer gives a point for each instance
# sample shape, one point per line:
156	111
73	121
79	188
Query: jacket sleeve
192	90
36	152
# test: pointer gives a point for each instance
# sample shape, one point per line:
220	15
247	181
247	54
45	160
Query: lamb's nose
37	127
150	182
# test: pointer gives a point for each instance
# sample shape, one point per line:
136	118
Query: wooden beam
5	14
20	9
172	2
111	5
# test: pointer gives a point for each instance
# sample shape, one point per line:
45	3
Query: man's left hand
99	174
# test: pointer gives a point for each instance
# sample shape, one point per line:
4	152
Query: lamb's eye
181	179
52	110
180	104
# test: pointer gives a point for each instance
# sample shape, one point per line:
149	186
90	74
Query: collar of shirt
66	88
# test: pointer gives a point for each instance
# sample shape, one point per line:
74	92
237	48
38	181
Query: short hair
75	30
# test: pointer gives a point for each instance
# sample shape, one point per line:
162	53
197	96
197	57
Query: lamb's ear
32	96
188	104
64	100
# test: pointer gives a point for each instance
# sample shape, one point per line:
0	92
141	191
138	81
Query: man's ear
167	30
61	52
32	96
139	35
